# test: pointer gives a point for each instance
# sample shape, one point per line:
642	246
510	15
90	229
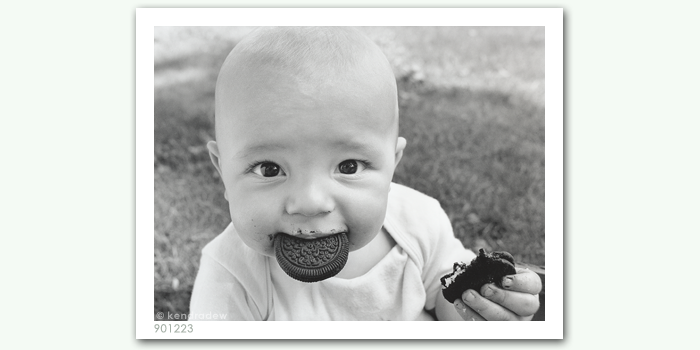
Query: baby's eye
350	166
267	169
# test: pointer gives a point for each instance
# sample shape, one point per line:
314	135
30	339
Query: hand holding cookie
507	293
517	301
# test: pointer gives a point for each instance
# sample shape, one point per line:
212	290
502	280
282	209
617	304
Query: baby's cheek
259	242
367	221
252	230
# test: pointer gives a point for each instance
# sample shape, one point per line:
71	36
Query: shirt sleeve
218	295
445	250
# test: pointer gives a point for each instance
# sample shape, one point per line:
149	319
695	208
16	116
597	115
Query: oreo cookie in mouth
311	260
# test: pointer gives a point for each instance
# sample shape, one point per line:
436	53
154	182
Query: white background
67	199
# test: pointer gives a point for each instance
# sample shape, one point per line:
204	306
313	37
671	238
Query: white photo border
551	18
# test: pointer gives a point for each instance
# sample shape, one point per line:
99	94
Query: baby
306	144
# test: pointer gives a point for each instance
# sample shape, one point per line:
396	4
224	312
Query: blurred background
471	107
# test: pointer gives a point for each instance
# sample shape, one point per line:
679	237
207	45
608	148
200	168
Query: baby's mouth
314	234
308	234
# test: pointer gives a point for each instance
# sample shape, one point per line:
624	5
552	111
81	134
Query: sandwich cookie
485	268
311	260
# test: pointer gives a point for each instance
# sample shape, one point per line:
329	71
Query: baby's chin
357	245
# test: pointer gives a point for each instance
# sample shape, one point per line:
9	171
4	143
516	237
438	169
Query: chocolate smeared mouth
311	260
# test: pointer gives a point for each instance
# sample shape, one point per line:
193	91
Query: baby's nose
309	199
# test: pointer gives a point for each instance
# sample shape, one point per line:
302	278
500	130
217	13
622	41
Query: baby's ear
214	155
216	160
400	145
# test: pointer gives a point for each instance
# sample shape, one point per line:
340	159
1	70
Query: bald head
288	68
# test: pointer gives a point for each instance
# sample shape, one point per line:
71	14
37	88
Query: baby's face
307	159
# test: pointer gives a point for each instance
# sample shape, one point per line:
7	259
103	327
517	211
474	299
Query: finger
524	280
466	312
522	304
489	310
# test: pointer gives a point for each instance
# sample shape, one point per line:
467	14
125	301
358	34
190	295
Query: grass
472	110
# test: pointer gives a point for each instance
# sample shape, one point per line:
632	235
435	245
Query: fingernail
507	282
470	296
488	291
459	305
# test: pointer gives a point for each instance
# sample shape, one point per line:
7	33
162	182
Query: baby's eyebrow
259	148
360	147
345	145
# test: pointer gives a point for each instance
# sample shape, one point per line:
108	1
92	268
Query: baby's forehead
315	54
280	67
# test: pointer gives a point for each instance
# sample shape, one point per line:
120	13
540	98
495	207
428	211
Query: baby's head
306	135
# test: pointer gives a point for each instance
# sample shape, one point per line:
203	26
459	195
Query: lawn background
471	107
